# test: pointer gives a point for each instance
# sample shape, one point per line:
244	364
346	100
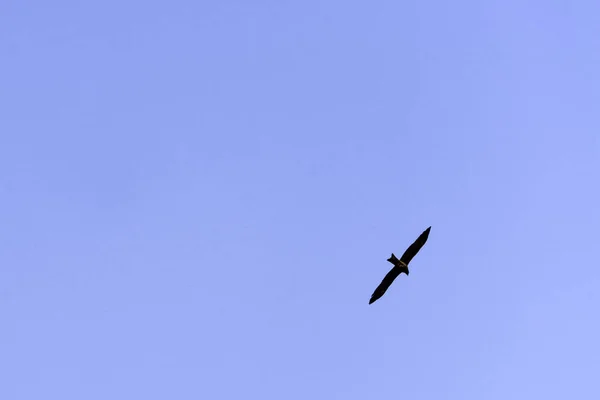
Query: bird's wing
385	283
414	248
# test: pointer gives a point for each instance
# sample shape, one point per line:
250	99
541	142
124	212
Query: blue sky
198	199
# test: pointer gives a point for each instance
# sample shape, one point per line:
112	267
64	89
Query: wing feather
414	248
386	282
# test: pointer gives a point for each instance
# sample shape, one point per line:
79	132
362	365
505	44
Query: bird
400	265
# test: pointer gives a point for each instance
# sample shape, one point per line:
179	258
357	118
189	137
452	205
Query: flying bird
400	265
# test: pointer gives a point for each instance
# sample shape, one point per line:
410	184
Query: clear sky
198	199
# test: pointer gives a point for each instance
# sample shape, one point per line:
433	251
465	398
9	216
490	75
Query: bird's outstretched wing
386	282
414	248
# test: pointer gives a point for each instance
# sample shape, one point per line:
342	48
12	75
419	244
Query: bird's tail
393	259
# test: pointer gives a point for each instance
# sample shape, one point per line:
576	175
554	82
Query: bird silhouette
400	265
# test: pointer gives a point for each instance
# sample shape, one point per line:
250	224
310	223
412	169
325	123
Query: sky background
198	199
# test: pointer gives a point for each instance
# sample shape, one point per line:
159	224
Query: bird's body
400	265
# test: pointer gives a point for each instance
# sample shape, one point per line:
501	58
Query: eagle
400	265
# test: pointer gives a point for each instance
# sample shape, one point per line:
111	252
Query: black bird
400	265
